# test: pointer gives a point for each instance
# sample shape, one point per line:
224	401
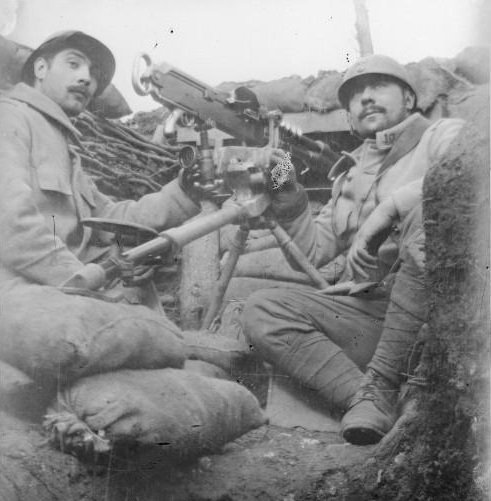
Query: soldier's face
377	103
68	78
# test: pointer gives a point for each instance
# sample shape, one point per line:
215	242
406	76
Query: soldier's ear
40	68
409	100
350	122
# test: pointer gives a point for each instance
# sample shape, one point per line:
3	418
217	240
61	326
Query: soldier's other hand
375	230
359	258
92	276
189	180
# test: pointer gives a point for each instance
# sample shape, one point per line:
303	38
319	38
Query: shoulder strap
344	164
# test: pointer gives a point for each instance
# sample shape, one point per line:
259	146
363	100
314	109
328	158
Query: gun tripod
286	244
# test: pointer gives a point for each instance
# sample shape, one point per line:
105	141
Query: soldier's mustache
80	89
371	109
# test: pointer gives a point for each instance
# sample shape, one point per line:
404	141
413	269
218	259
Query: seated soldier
44	196
327	342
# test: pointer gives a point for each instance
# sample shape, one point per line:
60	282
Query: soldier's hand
92	276
189	179
288	198
191	182
359	259
362	255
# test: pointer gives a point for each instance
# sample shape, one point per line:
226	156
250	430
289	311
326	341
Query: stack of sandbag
120	374
183	413
432	78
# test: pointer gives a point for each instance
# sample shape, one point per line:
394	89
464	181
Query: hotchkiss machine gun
240	170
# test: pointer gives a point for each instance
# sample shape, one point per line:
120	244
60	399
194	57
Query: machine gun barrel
93	277
181	235
306	148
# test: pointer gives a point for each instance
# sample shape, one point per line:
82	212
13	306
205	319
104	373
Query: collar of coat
37	100
385	139
398	141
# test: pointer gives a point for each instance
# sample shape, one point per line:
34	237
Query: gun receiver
238	114
176	90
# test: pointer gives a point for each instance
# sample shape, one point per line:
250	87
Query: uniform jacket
357	191
44	195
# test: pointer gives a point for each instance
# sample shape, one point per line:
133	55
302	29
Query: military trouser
326	342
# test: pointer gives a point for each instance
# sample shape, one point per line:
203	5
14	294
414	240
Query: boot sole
362	436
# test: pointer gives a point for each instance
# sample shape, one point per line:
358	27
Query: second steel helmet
95	50
374	64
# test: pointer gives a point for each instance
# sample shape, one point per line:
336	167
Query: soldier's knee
257	311
253	311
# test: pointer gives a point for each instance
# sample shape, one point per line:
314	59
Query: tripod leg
238	245
291	249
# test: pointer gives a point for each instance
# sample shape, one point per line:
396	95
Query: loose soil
270	463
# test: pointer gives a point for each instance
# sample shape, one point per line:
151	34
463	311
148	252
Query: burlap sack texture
184	413
432	78
55	337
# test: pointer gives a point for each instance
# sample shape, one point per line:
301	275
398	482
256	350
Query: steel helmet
99	55
374	64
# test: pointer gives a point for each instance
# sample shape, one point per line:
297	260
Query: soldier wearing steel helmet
353	349
44	196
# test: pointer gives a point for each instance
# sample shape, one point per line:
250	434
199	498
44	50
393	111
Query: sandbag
473	64
110	104
286	94
204	369
184	414
322	93
53	336
12	58
432	78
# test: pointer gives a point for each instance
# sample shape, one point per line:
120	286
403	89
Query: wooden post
200	270
363	28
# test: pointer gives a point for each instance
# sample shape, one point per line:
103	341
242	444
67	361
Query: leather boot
372	411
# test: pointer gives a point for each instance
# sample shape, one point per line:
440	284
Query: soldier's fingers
366	259
358	271
361	265
279	152
276	159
